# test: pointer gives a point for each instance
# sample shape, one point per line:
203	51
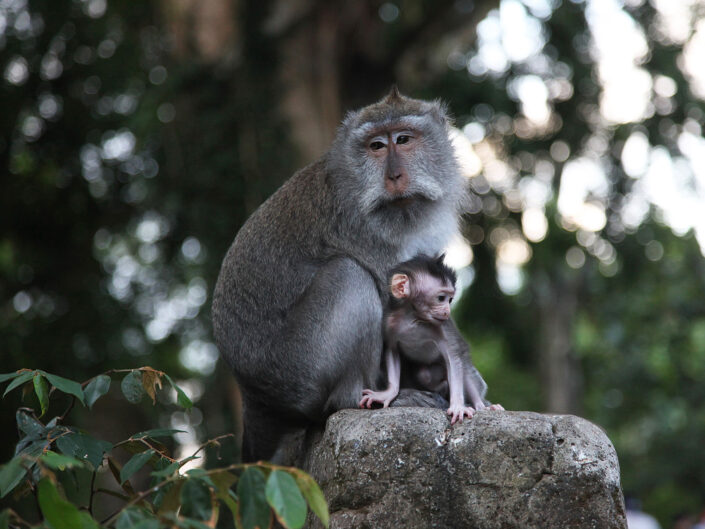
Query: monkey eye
441	298
450	300
402	139
376	145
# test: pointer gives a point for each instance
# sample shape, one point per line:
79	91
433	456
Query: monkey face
393	150
429	297
398	161
433	299
398	167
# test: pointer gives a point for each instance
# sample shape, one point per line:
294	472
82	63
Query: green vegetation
66	469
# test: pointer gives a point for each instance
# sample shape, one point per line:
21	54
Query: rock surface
408	468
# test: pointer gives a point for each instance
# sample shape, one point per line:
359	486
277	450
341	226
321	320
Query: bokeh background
136	137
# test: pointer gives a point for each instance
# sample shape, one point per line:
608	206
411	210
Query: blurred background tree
136	137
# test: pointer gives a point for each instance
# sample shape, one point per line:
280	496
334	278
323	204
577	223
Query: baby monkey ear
400	286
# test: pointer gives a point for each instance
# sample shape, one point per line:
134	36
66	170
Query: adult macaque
297	309
417	327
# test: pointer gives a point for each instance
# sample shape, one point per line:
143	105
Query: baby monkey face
429	296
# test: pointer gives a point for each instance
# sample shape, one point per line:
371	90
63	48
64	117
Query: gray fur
297	309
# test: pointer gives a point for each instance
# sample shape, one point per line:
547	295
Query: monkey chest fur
416	340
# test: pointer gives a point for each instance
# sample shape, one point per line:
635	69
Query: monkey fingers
382	397
457	413
497	407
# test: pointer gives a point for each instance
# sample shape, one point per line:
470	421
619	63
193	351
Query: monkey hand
382	397
459	412
496	407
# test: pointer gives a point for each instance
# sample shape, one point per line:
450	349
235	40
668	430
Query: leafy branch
46	453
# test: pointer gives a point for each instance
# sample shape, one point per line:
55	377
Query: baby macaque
420	333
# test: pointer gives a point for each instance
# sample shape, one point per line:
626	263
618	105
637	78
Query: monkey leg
267	434
330	348
416	398
431	391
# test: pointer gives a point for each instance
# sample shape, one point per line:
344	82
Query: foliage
645	382
50	455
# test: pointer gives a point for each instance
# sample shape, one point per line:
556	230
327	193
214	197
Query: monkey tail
270	436
248	452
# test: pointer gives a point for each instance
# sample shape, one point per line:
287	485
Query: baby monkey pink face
430	296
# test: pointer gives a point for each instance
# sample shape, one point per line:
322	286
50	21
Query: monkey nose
394	177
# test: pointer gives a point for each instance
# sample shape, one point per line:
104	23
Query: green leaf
66	385
136	518
83	447
232	504
129	517
133	446
96	388
157	432
32	449
171	500
285	498
148	523
186	523
181	398
134	464
254	510
187	459
166	471
19	380
131	387
8	376
222	482
313	494
196	500
60	461
11	475
29	425
41	388
201	474
60	513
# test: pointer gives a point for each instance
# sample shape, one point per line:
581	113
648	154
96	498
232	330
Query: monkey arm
393	364
454	364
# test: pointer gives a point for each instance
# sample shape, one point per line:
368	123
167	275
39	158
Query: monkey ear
439	111
400	286
441	258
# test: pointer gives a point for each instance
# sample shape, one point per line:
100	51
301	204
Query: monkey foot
457	413
481	406
382	397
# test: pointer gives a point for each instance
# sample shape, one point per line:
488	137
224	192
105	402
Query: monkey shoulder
276	251
292	211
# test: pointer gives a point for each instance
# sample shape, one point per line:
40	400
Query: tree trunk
561	374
